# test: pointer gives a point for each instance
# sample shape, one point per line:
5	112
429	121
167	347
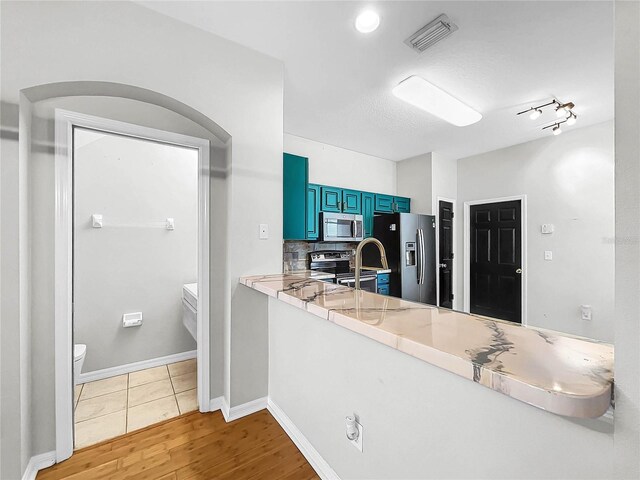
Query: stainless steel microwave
341	227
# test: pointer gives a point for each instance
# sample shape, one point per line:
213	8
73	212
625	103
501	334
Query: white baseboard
233	413
134	367
319	464
216	404
37	463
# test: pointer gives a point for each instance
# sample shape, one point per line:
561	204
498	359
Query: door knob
518	270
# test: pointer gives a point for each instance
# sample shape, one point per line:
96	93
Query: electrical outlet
358	441
585	312
548	255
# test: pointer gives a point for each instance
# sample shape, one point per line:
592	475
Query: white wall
414	180
419	421
569	182
335	166
132	264
627	280
218	81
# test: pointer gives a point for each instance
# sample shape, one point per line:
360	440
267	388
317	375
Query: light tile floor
107	408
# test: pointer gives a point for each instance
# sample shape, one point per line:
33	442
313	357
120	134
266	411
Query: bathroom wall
133	263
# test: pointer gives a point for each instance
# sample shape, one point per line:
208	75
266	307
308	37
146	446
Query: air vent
431	33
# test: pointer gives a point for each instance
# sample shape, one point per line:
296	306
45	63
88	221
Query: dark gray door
496	260
445	251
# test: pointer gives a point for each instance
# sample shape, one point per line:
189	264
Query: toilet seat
79	351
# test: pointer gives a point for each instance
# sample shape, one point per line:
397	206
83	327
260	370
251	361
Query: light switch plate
546	228
264	231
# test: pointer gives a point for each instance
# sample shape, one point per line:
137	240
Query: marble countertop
559	373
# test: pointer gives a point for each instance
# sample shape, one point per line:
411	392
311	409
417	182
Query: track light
561	109
535	113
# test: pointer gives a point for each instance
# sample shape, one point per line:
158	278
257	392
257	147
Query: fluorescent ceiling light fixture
367	21
426	96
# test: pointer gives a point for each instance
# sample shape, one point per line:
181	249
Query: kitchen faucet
383	257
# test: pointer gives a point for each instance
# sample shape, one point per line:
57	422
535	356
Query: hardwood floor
192	446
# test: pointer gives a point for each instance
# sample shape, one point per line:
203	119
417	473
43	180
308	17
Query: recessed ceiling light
426	96
367	21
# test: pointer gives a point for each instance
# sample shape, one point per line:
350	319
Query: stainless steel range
337	262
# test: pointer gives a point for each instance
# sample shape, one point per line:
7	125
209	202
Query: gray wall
419	421
569	182
414	179
133	263
237	88
627	280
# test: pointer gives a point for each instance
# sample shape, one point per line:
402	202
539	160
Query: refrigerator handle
422	256
418	261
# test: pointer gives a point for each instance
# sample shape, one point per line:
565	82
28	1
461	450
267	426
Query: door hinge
451	255
451	297
453	214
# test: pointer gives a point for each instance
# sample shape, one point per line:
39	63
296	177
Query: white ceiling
505	57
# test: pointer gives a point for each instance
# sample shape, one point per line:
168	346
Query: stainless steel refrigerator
410	243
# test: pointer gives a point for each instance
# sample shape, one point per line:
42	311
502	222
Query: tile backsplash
294	252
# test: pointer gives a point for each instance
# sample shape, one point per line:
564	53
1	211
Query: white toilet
79	352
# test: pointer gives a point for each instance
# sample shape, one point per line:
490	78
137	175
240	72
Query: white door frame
65	121
453	247
467	239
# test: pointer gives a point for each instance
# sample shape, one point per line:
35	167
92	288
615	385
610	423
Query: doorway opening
132	242
495	258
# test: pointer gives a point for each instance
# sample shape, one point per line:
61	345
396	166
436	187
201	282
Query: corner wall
237	88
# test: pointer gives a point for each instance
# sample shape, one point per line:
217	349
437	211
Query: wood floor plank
192	446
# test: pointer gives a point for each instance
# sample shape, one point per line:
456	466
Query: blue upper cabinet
368	200
331	199
383	203
402	204
295	178
391	204
313	212
351	201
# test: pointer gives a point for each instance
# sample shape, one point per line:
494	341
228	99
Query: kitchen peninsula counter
556	372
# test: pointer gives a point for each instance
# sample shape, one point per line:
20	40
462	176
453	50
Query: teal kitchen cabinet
351	201
402	204
313	212
368	199
340	200
383	283
295	179
391	204
383	203
331	199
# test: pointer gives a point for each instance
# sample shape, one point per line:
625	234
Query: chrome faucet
383	257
